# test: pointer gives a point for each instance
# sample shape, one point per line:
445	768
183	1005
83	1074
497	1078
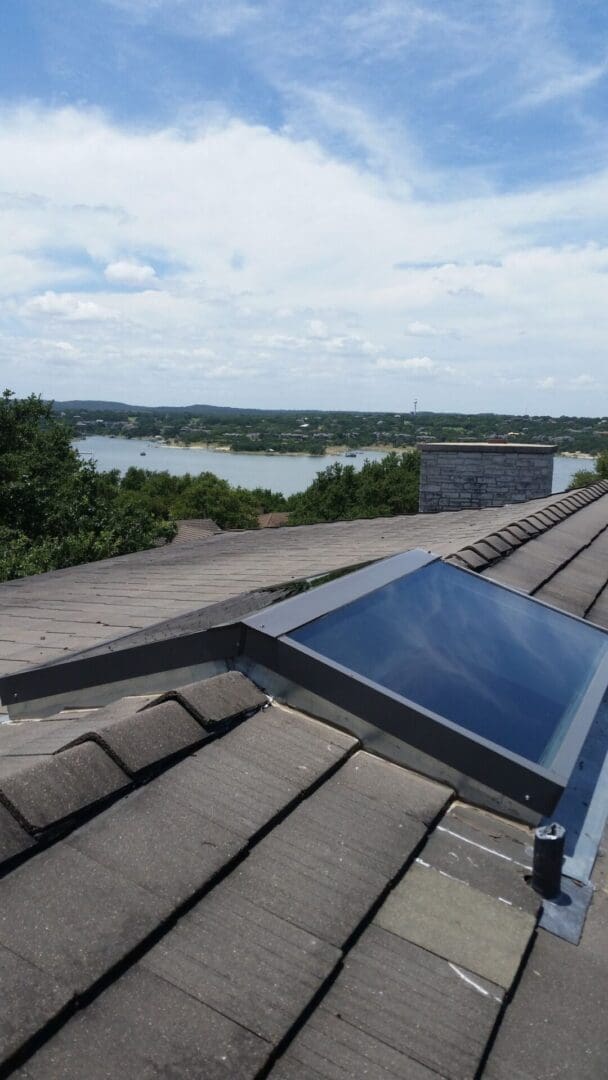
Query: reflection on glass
488	659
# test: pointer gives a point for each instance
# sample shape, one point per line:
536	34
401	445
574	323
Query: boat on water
142	453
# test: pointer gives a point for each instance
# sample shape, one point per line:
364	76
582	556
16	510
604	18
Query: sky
303	204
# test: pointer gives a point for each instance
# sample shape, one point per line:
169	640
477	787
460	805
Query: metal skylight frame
534	787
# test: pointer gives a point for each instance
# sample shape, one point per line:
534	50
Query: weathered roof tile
142	1028
252	966
30	999
158	843
146	737
41	791
14	840
72	918
216	700
406	998
330	860
175	834
330	1048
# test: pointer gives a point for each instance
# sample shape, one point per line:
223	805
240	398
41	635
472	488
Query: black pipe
548	858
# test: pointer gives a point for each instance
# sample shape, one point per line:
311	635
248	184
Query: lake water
287	473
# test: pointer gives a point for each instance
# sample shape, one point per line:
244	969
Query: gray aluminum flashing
85	671
289	614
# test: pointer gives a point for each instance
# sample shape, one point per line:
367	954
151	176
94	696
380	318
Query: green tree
380	489
585	476
209	496
56	509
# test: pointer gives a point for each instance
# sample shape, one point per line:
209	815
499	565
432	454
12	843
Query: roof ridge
91	763
490	549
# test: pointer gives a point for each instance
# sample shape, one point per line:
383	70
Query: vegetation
309	432
202	496
381	489
588	476
56	510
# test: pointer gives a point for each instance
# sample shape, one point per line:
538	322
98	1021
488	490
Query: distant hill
121	406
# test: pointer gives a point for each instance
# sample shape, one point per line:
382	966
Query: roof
206	882
559	554
189	529
255	892
49	616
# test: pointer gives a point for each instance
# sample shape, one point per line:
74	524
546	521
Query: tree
57	510
585	476
209	496
380	489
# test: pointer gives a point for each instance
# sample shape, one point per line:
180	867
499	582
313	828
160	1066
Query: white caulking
469	981
490	851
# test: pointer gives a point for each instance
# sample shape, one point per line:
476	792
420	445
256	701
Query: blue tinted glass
488	659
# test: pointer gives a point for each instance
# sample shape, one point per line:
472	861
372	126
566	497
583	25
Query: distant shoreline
330	451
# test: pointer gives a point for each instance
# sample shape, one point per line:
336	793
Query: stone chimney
458	475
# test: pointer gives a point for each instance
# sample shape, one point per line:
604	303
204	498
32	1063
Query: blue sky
305	204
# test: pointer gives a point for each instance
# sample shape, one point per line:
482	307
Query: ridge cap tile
41	791
218	699
14	840
145	738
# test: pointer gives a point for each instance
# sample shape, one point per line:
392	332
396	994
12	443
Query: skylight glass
488	659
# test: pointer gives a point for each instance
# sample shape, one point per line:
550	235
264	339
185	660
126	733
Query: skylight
492	683
483	657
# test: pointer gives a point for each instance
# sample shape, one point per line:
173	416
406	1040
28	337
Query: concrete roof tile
216	700
30	999
327	864
158	843
14	840
459	923
416	1002
142	1028
330	1048
72	918
144	738
41	791
252	966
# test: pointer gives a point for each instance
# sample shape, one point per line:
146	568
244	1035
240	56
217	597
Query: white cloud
66	306
422	329
320	241
317	329
563	85
413	364
548	382
127	272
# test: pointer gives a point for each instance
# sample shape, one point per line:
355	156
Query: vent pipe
548	858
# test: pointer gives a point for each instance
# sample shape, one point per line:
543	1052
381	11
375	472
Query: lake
287	473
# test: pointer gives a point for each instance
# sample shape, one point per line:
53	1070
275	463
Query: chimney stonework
458	476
